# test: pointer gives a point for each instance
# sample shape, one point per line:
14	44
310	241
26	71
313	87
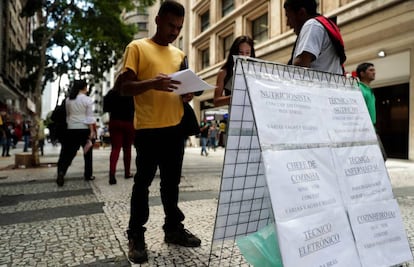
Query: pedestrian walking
81	131
26	132
204	126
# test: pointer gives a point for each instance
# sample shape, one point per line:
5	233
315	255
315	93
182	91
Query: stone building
378	31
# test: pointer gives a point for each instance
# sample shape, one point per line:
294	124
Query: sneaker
137	251
182	237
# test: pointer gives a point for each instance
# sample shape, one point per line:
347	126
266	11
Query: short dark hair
363	68
77	86
309	5
172	7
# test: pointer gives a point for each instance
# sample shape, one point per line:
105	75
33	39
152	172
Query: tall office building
15	33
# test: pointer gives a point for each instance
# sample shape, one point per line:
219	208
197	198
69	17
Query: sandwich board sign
302	153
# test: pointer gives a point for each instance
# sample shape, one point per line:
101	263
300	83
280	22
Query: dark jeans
6	142
73	140
26	139
162	148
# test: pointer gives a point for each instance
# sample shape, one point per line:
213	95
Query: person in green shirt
366	74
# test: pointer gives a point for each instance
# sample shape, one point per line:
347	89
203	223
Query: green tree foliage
89	32
86	31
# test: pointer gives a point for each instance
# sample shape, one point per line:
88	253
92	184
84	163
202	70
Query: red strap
331	27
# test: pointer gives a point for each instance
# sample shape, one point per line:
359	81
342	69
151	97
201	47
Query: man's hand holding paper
190	82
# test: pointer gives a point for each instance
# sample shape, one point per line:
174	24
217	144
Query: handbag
59	122
189	123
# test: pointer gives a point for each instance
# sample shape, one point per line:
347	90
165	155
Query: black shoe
90	178
112	179
127	176
182	237
137	251
60	179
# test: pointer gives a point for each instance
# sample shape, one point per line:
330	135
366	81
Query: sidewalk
84	223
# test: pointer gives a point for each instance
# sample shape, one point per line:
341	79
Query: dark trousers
73	140
6	145
122	136
162	148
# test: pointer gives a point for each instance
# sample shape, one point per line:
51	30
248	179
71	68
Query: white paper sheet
346	116
362	174
379	233
190	82
319	240
286	116
301	182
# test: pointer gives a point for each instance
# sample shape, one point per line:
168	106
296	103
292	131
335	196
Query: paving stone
100	239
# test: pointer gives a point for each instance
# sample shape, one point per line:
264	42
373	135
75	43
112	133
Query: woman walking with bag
80	131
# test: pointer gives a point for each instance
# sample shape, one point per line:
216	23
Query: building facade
15	33
377	31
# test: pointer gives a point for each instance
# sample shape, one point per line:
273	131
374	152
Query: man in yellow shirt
159	138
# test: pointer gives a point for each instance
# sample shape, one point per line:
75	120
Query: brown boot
137	249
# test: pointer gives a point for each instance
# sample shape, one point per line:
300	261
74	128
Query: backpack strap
334	35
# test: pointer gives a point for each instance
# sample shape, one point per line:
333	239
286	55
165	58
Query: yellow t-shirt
153	108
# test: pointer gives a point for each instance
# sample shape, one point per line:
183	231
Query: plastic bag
261	248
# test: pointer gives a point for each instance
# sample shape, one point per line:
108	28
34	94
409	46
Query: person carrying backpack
121	131
319	44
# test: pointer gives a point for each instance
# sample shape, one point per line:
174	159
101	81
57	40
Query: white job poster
362	174
282	114
322	160
379	233
302	152
321	239
301	182
345	116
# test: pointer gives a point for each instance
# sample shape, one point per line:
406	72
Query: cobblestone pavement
84	223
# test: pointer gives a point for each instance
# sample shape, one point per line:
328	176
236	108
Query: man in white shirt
313	47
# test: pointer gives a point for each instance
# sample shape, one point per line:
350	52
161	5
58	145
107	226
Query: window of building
260	29
227	42
205	58
142	26
205	21
227	6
